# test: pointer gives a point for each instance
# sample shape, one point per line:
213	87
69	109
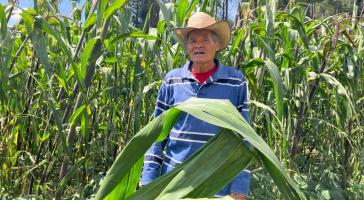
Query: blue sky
66	8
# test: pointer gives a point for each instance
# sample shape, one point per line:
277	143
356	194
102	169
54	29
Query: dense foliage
73	92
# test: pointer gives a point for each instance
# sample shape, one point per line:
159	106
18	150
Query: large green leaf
177	183
204	173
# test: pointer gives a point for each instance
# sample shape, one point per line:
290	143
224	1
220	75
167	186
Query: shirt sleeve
241	183
153	158
243	100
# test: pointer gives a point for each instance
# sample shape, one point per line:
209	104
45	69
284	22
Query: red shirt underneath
202	77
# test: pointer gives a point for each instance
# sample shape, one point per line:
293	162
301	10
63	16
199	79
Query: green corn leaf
147	20
90	21
194	179
85	57
62	82
222	198
263	106
39	42
6	44
115	6
361	41
3	23
341	90
191	8
204	6
77	71
182	6
47	28
299	26
76	114
75	168
148	87
267	48
226	116
135	34
253	63
128	184
217	112
100	12
278	87
28	21
84	125
49	6
143	36
270	18
124	17
237	40
166	12
65	30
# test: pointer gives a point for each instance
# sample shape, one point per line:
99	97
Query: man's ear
218	45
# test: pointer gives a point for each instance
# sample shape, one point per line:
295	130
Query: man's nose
198	44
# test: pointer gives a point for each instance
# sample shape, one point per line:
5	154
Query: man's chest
182	89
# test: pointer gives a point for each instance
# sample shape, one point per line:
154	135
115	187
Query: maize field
77	96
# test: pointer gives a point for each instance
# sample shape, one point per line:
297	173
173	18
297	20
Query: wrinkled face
201	47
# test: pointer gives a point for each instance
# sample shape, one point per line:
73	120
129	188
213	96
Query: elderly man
203	77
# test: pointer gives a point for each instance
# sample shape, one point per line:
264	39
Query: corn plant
76	89
204	173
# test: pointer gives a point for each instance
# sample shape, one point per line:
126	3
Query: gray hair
214	37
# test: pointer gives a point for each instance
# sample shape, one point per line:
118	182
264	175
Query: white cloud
15	17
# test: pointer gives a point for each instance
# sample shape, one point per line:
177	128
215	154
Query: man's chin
199	61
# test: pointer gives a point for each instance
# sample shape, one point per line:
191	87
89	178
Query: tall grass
73	93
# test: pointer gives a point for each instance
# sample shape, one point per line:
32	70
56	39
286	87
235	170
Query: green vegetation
208	170
73	94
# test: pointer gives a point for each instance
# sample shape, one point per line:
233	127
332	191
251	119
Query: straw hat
201	20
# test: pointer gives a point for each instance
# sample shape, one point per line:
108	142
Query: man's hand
237	196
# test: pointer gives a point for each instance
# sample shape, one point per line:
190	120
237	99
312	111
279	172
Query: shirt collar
220	73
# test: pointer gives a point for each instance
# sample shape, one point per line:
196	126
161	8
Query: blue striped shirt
190	133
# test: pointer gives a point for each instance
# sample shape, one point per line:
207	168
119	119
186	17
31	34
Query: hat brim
221	29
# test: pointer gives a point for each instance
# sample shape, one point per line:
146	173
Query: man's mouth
199	53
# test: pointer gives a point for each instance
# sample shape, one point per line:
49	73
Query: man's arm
240	185
153	161
237	196
153	158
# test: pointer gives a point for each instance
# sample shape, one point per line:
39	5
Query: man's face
201	47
